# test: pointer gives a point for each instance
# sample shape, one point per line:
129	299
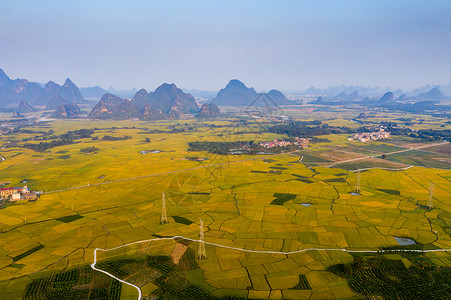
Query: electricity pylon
357	183
164	216
201	253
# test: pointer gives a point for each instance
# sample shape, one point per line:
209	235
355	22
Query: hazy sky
288	45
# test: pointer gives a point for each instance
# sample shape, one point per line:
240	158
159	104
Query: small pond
404	241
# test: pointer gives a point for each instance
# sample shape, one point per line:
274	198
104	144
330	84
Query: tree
147	140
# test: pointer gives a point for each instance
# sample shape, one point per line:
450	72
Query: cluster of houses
369	136
18	193
276	143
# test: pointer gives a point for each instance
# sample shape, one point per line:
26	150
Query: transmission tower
164	216
357	183
430	203
201	254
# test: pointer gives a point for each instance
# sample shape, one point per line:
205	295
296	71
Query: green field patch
16	266
64	156
259	172
61	152
389	191
182	220
341	174
281	198
384	148
26	253
311	157
79	283
67	219
357	149
197	278
304	180
269	160
420	158
278	168
335	180
299	176
377	276
302	284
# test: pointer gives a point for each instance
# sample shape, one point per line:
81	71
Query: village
369	136
276	143
18	193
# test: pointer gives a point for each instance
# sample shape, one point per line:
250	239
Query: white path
387	169
93	266
240	249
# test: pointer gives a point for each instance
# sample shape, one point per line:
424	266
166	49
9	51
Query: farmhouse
18	193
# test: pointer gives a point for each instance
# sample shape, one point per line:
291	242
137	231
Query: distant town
302	142
370	136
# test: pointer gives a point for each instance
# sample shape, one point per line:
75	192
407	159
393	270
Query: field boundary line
394	152
245	250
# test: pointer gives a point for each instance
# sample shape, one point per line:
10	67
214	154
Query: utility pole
201	253
164	216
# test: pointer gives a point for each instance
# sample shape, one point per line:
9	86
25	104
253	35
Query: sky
287	45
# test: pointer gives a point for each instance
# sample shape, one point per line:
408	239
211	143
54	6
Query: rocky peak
4	79
387	97
235	83
69	83
167	97
55	102
50	86
113	107
139	94
235	93
110	99
208	111
67	110
278	97
24	107
167	89
433	94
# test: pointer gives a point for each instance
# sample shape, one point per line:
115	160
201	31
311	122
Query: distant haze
288	45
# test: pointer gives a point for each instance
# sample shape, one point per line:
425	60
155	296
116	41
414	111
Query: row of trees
307	129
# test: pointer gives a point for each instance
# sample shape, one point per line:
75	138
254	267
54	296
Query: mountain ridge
14	91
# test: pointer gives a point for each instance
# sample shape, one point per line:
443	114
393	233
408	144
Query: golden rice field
271	203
